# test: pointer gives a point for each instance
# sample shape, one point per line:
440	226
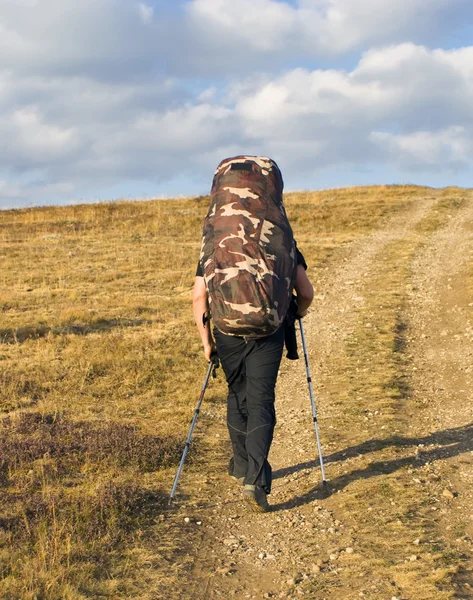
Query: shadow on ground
23	334
448	443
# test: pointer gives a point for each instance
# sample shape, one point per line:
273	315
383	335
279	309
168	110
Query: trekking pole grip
215	361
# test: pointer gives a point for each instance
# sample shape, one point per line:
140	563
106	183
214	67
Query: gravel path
440	314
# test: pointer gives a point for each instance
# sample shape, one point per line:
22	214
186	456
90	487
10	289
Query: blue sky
106	99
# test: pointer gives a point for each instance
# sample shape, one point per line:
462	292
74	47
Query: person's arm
200	304
304	291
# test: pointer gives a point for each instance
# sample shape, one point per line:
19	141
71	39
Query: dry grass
101	367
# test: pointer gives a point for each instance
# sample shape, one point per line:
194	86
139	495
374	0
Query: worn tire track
440	317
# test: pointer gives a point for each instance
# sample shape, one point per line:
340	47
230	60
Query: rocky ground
390	340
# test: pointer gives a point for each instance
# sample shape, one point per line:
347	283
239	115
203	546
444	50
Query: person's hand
302	314
209	349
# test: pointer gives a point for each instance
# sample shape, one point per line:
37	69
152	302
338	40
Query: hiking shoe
239	480
256	498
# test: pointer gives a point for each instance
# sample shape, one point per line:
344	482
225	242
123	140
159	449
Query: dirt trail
346	543
440	314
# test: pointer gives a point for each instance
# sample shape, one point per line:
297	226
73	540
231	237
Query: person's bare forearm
200	305
201	311
303	304
304	291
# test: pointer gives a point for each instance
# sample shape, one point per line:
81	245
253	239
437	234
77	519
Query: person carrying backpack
248	269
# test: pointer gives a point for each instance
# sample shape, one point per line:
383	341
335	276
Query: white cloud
10	190
447	149
86	99
322	26
118	39
261	24
146	13
94	37
12	42
416	116
208	95
36	139
369	113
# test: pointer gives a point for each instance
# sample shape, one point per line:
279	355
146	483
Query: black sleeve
199	272
300	257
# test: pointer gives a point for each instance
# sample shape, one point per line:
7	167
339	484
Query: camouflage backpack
248	255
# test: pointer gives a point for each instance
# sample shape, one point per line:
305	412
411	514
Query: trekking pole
312	401
213	364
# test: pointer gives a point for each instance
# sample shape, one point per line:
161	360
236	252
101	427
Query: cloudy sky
102	99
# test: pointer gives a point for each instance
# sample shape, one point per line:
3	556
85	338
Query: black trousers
251	369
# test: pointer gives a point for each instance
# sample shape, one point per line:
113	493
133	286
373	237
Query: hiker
248	269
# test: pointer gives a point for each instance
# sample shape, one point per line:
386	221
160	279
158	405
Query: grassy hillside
100	369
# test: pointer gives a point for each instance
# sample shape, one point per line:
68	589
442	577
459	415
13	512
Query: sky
109	99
